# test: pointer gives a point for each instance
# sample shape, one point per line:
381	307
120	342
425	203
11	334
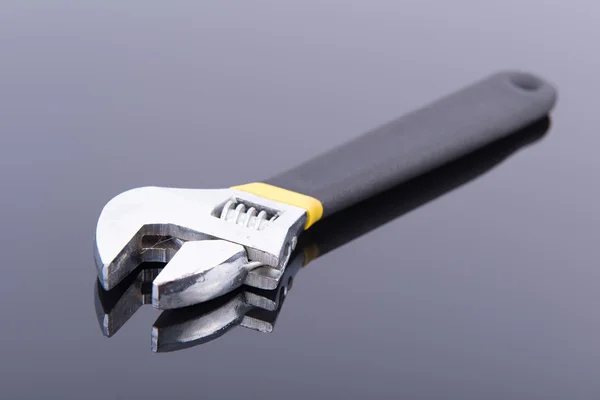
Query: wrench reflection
256	305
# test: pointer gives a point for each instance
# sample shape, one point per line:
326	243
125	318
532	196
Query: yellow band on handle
313	207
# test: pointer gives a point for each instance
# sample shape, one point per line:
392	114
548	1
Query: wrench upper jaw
127	220
151	243
113	272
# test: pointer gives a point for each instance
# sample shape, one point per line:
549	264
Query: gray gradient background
488	292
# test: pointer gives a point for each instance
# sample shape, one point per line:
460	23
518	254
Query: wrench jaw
130	218
191	326
151	243
256	306
209	239
200	271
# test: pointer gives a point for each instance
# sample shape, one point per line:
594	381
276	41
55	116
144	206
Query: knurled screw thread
251	218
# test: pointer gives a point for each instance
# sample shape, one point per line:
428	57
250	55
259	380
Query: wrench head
153	224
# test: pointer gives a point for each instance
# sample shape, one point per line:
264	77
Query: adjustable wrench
212	239
258	309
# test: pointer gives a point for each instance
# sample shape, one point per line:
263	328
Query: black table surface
478	282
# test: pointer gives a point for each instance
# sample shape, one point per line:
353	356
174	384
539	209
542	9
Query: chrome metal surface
255	305
251	308
151	224
198	271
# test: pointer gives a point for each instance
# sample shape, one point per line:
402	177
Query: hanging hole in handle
526	82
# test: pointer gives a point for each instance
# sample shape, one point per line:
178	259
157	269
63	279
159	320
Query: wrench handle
418	142
353	222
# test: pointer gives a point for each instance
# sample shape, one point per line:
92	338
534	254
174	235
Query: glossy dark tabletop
482	285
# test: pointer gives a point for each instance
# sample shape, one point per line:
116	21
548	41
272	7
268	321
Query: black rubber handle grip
421	141
368	215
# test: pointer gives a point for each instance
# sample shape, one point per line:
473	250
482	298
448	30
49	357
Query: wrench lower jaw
200	271
108	277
